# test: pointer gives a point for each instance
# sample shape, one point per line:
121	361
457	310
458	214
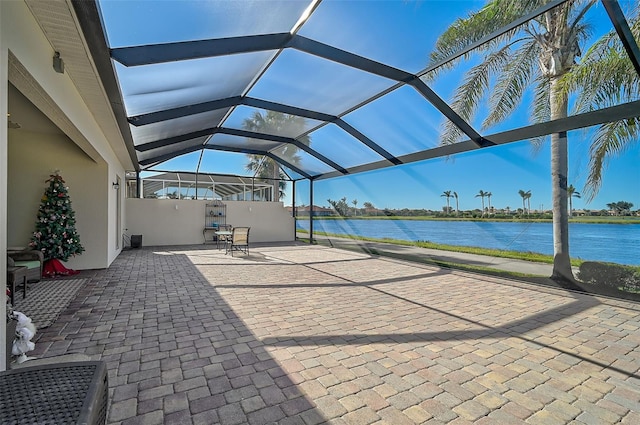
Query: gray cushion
10	262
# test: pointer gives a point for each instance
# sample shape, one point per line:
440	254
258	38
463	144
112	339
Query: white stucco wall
3	185
31	158
181	222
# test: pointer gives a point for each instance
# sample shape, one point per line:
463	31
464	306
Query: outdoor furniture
239	240
29	258
15	275
223	234
62	393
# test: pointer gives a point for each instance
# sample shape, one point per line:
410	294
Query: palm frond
540	109
512	82
609	81
477	25
610	140
470	92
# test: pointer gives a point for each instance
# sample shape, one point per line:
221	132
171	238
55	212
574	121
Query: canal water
616	243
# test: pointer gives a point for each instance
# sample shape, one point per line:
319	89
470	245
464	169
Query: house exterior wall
3	185
88	163
181	222
33	157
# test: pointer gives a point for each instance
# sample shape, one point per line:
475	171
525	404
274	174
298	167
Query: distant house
303	210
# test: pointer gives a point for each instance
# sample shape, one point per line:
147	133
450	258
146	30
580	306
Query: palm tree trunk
559	170
570	206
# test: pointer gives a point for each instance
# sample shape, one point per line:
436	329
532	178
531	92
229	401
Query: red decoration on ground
54	267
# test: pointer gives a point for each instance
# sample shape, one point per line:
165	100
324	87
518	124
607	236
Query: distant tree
447	194
455	195
620	207
355	204
489	195
341	206
572	193
368	206
529	202
525	196
481	195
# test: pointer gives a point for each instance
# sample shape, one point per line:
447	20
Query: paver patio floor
310	334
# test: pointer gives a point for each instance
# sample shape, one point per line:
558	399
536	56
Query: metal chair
224	239
239	240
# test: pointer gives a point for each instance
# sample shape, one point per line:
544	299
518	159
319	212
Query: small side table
14	275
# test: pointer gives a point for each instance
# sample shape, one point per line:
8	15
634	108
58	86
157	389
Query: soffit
58	22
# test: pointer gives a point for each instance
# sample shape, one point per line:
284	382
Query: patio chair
223	239
31	259
239	240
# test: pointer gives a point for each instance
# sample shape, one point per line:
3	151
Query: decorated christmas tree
55	233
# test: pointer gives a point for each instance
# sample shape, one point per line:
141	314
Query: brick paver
310	334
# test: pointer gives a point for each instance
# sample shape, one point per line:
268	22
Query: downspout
138	185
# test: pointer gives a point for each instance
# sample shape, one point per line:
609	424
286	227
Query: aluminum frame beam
257	152
287	140
253	102
574	122
624	32
198	49
180	51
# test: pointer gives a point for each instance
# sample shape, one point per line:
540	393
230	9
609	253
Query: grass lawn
527	256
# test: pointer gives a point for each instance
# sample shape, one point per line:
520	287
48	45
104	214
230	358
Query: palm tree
572	193
355	203
447	194
525	195
528	202
275	123
368	206
482	194
604	77
455	195
538	55
488	195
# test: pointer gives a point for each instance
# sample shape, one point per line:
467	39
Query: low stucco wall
181	222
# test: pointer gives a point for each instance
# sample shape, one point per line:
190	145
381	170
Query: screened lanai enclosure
324	88
311	91
200	186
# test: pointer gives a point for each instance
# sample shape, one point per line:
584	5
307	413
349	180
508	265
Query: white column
3	182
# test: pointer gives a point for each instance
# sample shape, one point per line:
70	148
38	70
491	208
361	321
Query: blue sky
401	122
502	170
